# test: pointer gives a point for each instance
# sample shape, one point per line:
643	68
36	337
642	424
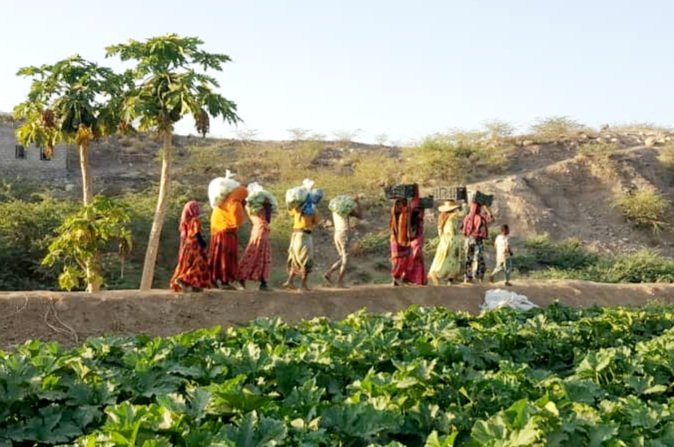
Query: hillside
559	183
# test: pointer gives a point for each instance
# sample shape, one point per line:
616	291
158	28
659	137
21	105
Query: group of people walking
462	230
460	250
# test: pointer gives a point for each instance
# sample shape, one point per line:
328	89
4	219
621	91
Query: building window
20	152
43	155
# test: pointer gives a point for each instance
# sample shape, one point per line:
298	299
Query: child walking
503	255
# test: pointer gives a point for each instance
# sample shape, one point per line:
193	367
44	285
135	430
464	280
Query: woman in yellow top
301	250
223	253
447	263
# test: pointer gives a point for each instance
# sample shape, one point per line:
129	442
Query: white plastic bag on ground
220	187
498	298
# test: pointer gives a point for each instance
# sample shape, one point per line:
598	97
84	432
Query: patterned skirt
400	259
256	259
223	257
415	272
192	268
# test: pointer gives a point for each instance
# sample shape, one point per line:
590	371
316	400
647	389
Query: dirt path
71	317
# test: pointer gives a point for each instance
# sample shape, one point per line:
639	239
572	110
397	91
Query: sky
404	69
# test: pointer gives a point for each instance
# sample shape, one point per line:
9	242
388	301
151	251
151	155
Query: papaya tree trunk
92	266
160	211
93	274
87	190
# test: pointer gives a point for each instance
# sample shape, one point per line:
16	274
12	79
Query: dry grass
598	150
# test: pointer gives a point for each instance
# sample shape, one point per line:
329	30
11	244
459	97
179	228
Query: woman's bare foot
327	278
433	278
288	285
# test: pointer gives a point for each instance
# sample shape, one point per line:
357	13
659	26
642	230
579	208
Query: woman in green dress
447	265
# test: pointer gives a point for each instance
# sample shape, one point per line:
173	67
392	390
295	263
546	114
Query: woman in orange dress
191	273
256	259
399	227
223	254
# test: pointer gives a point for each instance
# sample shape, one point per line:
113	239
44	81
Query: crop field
420	377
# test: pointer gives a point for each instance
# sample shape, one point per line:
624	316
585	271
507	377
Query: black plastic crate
426	202
402	191
483	199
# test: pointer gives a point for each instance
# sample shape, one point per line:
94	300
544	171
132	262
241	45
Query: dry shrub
644	209
556	127
457	157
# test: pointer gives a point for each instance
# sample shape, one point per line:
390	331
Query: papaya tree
171	81
83	236
73	101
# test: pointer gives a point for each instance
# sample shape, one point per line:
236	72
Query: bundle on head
220	187
257	197
342	205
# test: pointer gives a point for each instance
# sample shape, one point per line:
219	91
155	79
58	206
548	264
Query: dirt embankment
72	317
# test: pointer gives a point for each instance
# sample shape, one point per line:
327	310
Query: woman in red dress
191	273
256	259
415	272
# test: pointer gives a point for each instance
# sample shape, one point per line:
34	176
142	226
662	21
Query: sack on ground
498	298
342	205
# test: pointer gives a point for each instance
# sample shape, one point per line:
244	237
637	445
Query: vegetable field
421	377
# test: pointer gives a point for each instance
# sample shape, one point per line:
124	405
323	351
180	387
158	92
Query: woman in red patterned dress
256	259
191	273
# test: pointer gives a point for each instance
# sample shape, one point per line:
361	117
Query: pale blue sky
404	68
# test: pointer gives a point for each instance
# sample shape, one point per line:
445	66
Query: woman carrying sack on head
301	250
256	259
447	265
226	220
191	273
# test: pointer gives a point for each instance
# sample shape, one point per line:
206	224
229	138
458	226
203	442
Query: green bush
541	252
644	209
26	229
637	267
640	266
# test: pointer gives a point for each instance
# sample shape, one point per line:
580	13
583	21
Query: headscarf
399	224
190	211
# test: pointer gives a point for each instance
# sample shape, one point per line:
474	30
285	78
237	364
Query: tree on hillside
74	101
168	86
